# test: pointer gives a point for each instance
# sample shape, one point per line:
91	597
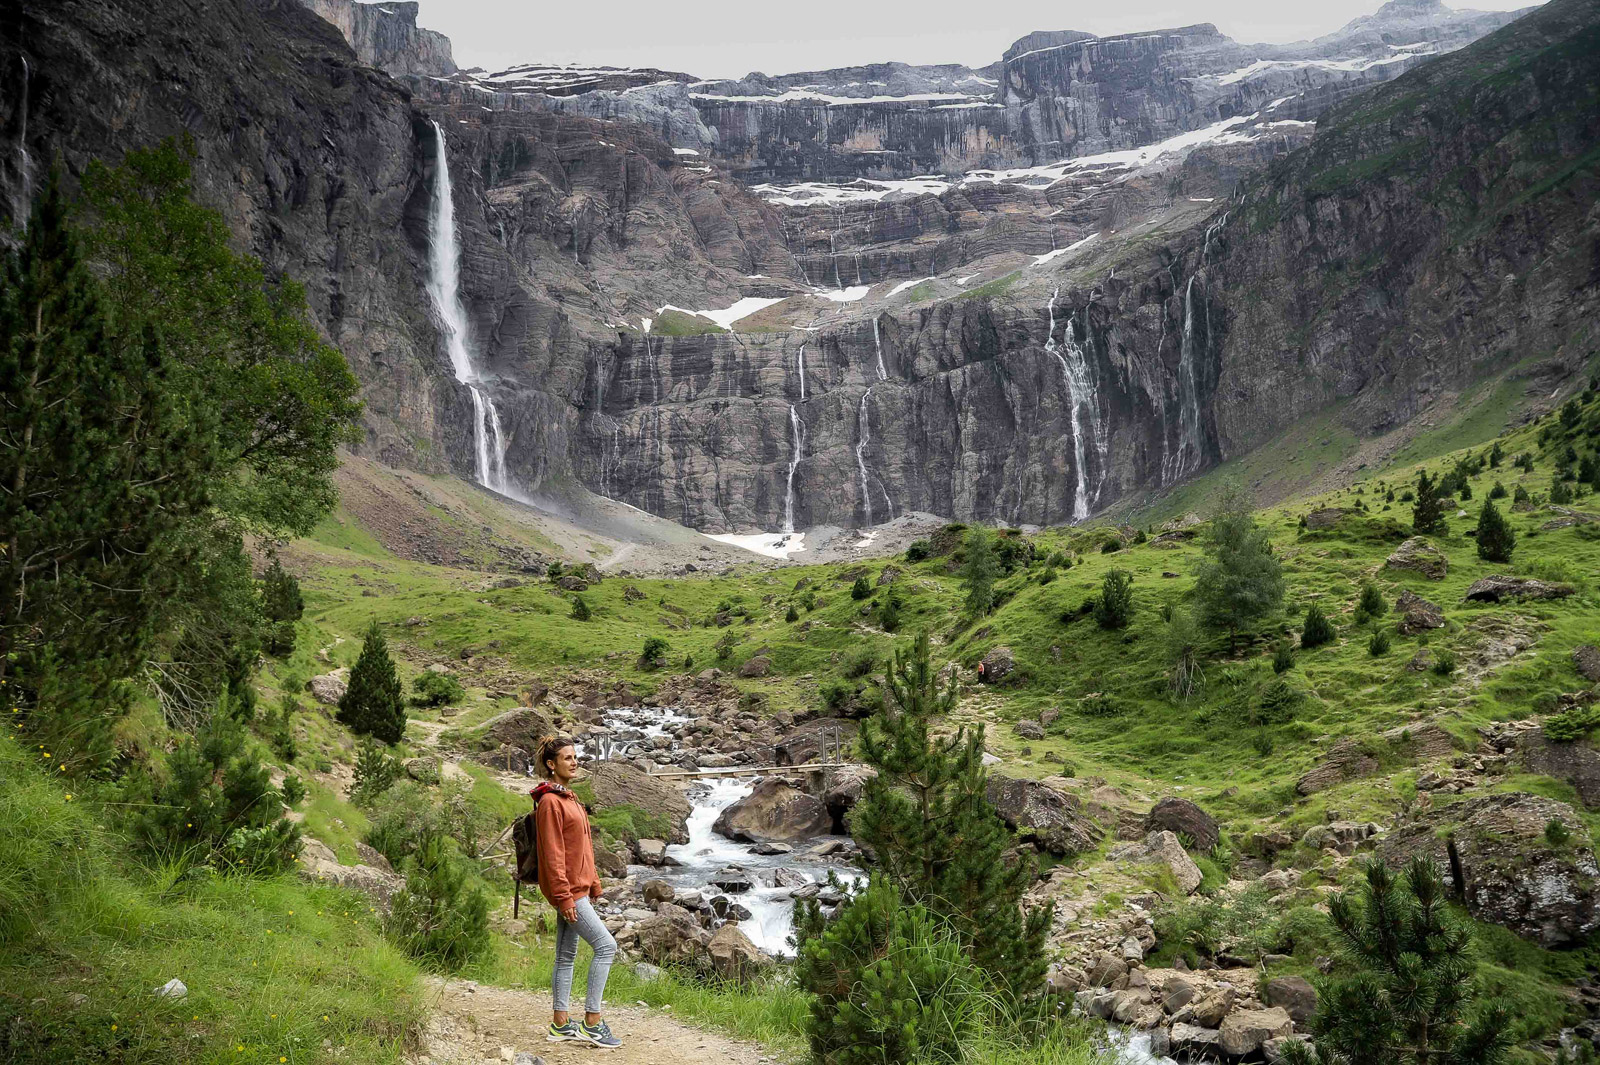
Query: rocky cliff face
1020	345
386	36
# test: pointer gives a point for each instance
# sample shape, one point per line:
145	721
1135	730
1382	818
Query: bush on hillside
282	605
440	918
1444	663
373	703
654	655
1498	491
860	663
280	728
1282	657
890	984
978	572
918	551
432	688
1240	582
375	772
1114	608
889	610
1372	603
1317	630
580	609
215	803
411	811
860	589
1560	493
1184	675
1378	645
1411	986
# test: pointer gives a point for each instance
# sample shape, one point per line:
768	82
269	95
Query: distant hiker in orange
568	879
980	672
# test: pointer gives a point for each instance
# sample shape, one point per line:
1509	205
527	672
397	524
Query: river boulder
734	957
1051	820
777	809
620	784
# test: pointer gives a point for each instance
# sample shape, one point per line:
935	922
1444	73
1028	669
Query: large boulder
1244	1031
1325	517
1586	660
621	784
1162	848
672	937
1576	763
1295	995
759	666
320	865
733	956
776	810
1053	821
1517	869
1352	759
1500	586
1419	556
522	727
1417	614
843	788
998	664
507	758
1185	818
329	688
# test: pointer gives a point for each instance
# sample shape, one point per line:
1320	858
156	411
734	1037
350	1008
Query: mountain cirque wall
386	35
1020	347
1435	229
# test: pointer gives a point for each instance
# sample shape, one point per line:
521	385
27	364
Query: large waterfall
1080	393
798	432
444	289
864	434
1191	437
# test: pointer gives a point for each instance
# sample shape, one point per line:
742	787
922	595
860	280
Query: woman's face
564	766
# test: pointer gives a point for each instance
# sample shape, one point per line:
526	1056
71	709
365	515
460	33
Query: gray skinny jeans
589	928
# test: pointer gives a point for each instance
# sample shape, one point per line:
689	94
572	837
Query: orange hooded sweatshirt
566	851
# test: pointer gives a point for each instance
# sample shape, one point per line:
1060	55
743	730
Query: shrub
1556	832
1283	657
1498	491
918	550
1317	630
431	688
1444	663
792	615
1559	491
1111	546
216	802
375	772
860	664
892	986
1184	677
1059	560
860	589
1278	703
1372	602
654	655
1520	496
281	728
1114	608
889	611
1048	574
373	704
294	790
554	570
1572	725
439	917
1379	644
725	646
580	609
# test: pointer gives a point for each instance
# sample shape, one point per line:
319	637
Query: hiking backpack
525	843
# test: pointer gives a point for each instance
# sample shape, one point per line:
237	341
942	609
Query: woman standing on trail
567	878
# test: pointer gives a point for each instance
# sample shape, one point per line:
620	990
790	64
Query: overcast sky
730	38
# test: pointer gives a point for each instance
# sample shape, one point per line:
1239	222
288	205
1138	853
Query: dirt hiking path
471	1024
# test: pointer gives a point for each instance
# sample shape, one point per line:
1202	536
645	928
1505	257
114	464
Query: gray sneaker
564	1033
600	1035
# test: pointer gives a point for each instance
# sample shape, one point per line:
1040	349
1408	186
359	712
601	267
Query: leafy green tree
1495	538
102	466
282	605
373	704
1184	675
1240	582
1411	999
860	589
926	819
440	917
1427	514
1317	629
215	802
431	688
979	571
1114	608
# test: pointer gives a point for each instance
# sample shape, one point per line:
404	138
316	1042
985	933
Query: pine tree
374	703
1497	455
103	465
1427	514
1240	581
860	589
1559	492
979	570
1411	1000
927	821
1114	608
282	605
580	609
1372	603
1317	629
792	615
439	917
1495	538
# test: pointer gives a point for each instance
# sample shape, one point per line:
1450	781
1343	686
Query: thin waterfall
798	433
801	360
1076	379
877	346
1077	358
863	437
444	289
25	164
1188	394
